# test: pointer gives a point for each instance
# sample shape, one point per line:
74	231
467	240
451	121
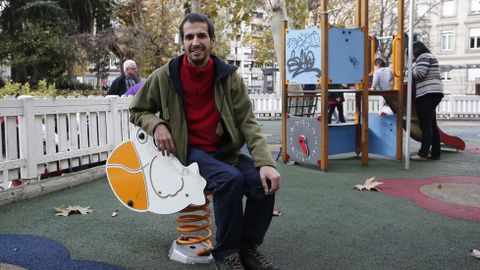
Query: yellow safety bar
396	56
372	55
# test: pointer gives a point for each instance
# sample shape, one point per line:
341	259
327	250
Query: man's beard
198	61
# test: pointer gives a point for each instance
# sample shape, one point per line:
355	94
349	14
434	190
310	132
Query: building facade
259	79
451	30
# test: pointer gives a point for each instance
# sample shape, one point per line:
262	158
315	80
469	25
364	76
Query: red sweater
200	109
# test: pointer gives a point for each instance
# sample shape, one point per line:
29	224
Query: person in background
382	81
125	81
104	84
311	101
429	93
335	100
206	116
134	89
382	77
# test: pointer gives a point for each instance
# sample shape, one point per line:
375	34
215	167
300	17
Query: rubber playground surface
427	217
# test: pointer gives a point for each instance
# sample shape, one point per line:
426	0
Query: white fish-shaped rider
144	180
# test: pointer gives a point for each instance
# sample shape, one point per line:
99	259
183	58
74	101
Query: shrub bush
66	84
44	89
17	89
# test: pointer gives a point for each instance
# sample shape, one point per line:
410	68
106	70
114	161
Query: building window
474	36
448	8
423	37
473	73
447	40
474	6
422	11
446	76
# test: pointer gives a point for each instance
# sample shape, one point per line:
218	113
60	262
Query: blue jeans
236	228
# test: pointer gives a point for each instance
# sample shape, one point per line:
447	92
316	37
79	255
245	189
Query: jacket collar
221	69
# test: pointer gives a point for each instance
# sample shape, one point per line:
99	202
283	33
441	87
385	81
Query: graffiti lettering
303	53
303	63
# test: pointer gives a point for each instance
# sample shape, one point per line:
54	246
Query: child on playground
335	100
382	80
382	77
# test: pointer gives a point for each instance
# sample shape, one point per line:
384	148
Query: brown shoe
418	158
253	259
231	262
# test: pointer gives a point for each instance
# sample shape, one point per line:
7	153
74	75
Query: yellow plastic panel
125	155
129	187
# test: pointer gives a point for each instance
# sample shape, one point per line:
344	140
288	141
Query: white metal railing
47	135
451	107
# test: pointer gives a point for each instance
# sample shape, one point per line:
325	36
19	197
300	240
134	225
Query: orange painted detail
125	155
129	187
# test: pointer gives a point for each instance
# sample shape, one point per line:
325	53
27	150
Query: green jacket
162	93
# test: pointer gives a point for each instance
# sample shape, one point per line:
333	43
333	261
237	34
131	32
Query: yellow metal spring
192	223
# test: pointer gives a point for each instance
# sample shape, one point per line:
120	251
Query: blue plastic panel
345	54
382	135
341	139
303	56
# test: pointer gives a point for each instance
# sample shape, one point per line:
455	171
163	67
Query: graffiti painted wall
303	56
345	55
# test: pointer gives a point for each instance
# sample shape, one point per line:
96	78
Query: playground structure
346	55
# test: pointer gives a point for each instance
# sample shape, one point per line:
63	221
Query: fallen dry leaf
277	212
370	185
475	253
65	211
115	213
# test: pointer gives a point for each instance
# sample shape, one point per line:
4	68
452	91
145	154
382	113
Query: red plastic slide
416	133
451	141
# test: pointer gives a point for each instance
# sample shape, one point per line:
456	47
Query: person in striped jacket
429	93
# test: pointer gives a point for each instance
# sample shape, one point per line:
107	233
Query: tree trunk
196	6
19	73
158	58
98	77
71	71
35	76
278	14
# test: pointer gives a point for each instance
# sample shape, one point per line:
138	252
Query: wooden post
27	127
358	134
364	89
113	123
283	76
324	86
400	92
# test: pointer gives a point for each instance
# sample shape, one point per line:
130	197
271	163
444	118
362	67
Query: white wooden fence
46	135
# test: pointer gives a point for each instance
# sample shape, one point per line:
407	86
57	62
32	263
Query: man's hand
269	175
163	140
